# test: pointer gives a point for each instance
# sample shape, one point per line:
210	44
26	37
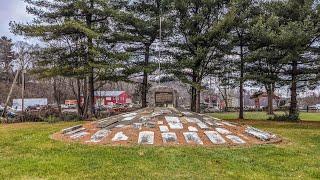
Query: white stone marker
137	125
99	135
192	120
192	137
164	128
257	133
210	123
186	113
215	137
223	131
228	124
192	129
171	119
146	137
202	125
175	125
129	115
160	122
76	131
120	126
120	136
169	137
79	135
235	139
130	118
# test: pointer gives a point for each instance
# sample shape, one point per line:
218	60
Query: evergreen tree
201	30
81	27
298	39
243	13
139	29
6	58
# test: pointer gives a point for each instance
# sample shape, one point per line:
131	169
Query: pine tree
298	38
201	31
139	30
81	28
6	58
243	13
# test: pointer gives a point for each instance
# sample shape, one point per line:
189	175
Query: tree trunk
57	96
22	95
293	103
270	92
145	78
198	108
241	81
226	100
193	105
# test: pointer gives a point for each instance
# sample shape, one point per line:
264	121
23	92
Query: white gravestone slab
215	137
79	135
130	118
228	124
223	131
99	135
129	115
202	125
192	120
217	124
175	125
187	113
235	139
75	131
160	122
137	125
146	137
169	137
120	136
171	119
210	123
120	126
257	133
192	129
192	137
164	128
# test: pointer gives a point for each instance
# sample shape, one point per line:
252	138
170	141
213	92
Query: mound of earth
162	127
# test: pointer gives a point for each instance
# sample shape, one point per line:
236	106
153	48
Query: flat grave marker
164	128
99	135
146	137
192	137
223	131
169	137
192	129
235	139
215	137
120	136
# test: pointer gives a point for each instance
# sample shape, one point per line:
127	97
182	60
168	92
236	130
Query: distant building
111	97
29	102
261	100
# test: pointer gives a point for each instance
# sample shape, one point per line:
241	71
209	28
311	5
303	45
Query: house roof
108	93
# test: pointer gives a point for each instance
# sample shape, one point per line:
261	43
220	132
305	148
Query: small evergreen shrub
285	117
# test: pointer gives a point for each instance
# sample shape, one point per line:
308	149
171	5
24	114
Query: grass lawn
263	116
27	152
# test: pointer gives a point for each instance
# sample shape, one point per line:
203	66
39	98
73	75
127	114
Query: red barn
111	97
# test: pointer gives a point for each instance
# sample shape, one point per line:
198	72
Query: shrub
285	117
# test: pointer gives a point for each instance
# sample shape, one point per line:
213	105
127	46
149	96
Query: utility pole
22	93
9	95
160	42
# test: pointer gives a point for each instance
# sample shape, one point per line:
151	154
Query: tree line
270	43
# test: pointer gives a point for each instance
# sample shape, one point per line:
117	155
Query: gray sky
12	10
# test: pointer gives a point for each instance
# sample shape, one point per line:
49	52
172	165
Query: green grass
263	116
27	152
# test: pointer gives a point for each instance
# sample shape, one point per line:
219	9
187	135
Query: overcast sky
12	10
